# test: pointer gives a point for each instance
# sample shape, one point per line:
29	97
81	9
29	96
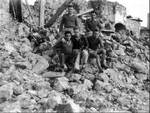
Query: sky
135	8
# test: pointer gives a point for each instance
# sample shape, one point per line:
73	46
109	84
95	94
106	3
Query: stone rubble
26	84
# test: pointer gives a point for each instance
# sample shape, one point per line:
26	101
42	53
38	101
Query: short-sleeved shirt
69	21
92	25
94	42
64	47
80	43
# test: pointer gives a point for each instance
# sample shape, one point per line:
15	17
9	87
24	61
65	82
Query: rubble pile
26	84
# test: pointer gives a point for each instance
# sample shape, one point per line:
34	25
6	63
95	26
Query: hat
70	5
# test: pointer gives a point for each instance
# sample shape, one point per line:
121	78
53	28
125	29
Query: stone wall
4	12
120	13
134	25
112	11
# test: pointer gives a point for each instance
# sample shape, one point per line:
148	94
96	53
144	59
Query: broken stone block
61	84
17	90
6	92
51	74
64	108
41	65
89	76
9	47
69	107
139	67
124	101
75	77
101	86
141	76
43	93
103	77
12	107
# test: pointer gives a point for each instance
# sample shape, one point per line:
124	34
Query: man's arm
76	21
101	43
61	24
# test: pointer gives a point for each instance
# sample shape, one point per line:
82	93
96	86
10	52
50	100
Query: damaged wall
112	11
134	25
4	12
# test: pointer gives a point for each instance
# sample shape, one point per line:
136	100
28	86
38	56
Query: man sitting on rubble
38	39
64	50
69	20
80	45
96	48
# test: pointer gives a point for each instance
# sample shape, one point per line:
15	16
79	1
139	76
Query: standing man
96	48
69	20
93	23
80	46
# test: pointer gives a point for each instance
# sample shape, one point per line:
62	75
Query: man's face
96	34
67	36
70	10
76	32
93	16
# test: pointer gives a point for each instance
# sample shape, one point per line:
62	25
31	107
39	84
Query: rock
12	107
89	76
99	86
51	74
103	77
69	107
124	101
141	76
64	108
120	52
6	92
9	47
115	76
61	84
75	77
41	65
139	67
116	93
18	90
56	96
43	93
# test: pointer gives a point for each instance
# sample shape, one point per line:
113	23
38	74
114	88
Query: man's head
76	31
68	35
93	15
96	33
70	9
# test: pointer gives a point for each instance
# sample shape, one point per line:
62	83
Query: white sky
135	8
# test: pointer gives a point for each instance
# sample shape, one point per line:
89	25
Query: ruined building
4	12
116	14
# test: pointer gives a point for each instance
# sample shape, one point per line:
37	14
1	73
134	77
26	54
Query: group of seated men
75	48
72	48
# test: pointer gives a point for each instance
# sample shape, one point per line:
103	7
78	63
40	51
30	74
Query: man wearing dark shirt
93	23
64	49
80	45
69	20
96	48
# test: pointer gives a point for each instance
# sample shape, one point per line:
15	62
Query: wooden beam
58	13
28	7
42	9
85	12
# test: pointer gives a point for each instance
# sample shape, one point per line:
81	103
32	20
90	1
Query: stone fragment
61	84
6	92
51	74
75	77
12	107
41	65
